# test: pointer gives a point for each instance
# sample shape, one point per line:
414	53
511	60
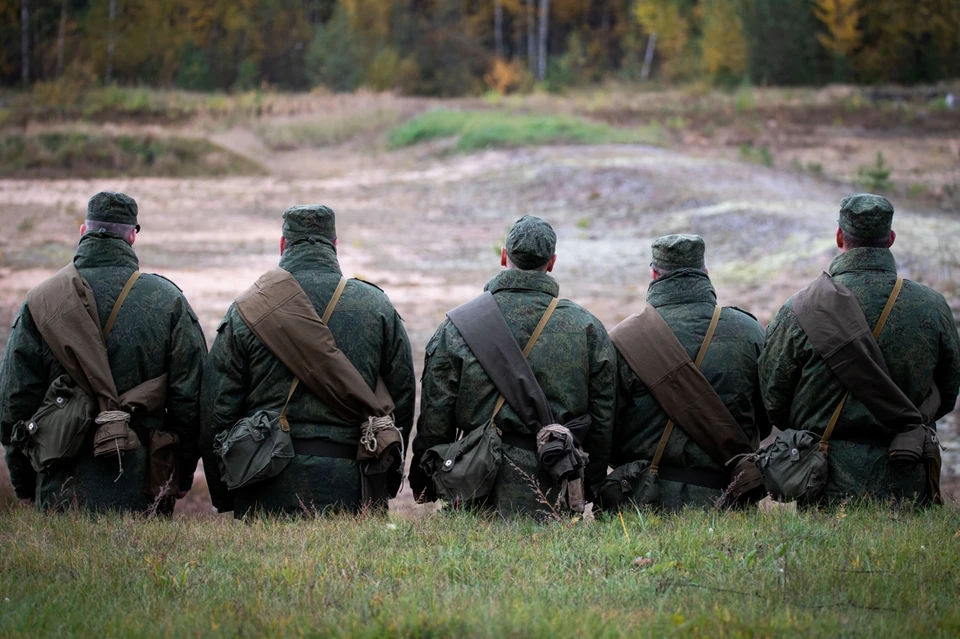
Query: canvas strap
655	464
825	440
530	344
327	312
116	307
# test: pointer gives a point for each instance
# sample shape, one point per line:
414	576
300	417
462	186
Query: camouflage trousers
861	471
309	485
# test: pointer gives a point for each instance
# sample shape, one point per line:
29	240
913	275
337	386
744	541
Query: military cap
531	243
866	216
671	252
113	207
306	221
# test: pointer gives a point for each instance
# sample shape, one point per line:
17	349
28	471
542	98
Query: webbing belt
526	442
321	448
655	464
715	479
825	440
284	424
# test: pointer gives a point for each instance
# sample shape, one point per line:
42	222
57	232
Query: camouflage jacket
920	347
686	299
243	377
574	362
156	332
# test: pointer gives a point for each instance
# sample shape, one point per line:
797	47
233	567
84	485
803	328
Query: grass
99	155
477	130
329	131
853	571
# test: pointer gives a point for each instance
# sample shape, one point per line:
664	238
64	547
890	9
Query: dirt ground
427	227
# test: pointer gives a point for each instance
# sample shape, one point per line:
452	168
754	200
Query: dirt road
427	228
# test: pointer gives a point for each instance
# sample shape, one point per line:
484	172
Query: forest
464	47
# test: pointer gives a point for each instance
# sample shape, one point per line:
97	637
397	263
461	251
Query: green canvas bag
256	448
60	428
465	470
793	466
630	483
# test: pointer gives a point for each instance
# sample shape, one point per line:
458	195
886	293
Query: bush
382	72
508	76
876	176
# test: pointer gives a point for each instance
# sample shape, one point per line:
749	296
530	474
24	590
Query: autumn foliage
448	47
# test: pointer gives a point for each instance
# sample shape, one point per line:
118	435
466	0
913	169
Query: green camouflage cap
671	252
531	243
113	207
866	216
306	221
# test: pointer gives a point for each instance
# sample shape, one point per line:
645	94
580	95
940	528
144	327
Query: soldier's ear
551	263
503	256
283	244
83	229
132	237
893	237
839	238
653	274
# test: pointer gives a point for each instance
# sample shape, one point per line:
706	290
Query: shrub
876	176
382	72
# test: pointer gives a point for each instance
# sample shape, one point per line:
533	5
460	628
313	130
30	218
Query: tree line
455	47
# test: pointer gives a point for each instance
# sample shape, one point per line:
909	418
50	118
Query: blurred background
429	126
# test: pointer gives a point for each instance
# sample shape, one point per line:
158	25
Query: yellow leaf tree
842	20
724	48
664	18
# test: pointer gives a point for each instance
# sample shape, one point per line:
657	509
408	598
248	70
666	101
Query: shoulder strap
65	312
119	304
327	312
530	344
655	464
825	440
484	329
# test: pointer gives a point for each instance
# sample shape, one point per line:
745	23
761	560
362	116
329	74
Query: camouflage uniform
685	298
574	362
156	332
919	345
243	377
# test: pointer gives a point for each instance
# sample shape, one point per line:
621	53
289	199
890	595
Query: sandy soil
427	228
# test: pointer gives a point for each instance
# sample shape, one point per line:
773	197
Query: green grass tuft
327	131
69	154
850	571
477	130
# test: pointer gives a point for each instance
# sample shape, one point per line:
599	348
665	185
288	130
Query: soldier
682	295
245	376
151	367
573	361
917	345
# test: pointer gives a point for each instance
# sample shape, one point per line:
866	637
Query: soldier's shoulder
361	280
742	312
160	283
922	292
368	292
574	312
